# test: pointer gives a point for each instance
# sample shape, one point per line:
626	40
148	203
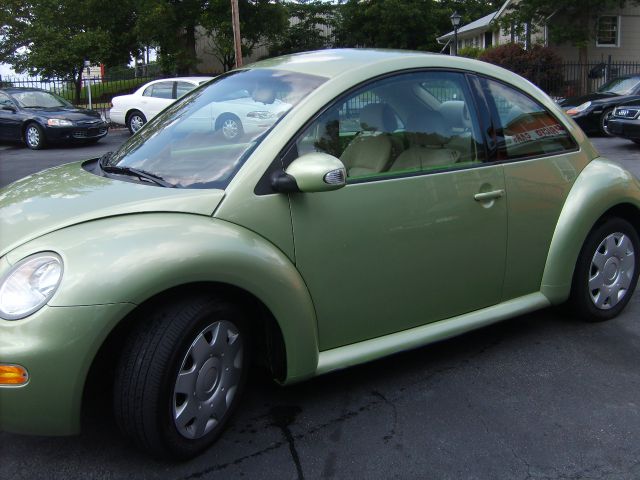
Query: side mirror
10	108
312	172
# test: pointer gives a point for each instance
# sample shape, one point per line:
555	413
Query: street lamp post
455	21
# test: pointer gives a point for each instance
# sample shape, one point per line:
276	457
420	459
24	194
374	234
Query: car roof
22	89
182	79
334	62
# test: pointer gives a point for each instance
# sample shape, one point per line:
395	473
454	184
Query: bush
470	52
539	65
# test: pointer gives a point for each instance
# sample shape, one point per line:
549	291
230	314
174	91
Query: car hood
69	113
68	195
598	99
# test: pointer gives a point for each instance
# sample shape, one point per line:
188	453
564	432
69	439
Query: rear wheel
181	376
135	121
34	137
607	271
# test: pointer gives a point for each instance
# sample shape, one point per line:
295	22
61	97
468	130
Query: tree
310	27
406	24
52	38
171	26
262	22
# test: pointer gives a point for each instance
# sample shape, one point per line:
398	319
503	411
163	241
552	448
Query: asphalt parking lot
541	396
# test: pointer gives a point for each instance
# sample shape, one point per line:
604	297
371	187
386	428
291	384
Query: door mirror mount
311	172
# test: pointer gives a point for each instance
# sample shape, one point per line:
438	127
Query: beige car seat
371	150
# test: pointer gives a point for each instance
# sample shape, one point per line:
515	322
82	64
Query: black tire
34	136
146	401
230	126
604	121
135	121
584	297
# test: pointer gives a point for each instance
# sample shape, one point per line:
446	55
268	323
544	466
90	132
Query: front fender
600	186
129	259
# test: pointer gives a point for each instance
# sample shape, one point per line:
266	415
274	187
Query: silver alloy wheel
136	122
33	136
611	272
208	379
230	128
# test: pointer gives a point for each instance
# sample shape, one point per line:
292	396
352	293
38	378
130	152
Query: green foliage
540	65
406	24
308	29
262	22
470	52
53	37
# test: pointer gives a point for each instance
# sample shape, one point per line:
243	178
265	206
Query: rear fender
601	186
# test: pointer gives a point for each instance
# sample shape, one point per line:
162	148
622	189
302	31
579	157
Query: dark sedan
38	117
593	111
625	121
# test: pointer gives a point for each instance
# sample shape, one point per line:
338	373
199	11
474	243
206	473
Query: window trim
495	119
618	32
289	152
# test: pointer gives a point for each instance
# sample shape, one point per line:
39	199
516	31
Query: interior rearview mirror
311	172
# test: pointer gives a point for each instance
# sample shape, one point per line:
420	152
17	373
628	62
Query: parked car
138	108
461	196
625	121
38	117
593	111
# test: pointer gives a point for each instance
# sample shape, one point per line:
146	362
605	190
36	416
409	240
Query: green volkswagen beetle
372	202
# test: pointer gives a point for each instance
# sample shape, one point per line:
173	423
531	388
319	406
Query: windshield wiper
141	174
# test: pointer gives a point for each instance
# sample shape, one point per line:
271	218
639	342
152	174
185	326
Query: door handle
486	196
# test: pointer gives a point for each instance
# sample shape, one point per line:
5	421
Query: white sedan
138	108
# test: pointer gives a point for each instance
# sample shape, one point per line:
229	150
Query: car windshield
620	86
39	99
202	140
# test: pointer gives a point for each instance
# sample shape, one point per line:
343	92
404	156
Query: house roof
479	24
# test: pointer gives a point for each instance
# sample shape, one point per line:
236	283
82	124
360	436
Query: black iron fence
572	78
95	92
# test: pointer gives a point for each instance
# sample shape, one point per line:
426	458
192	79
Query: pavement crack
283	416
394	411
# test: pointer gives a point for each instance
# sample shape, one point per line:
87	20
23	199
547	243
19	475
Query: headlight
59	122
261	114
29	285
579	108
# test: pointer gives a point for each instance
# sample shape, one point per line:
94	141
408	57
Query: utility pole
237	42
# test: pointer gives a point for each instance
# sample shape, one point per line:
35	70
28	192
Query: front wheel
34	137
230	126
604	122
607	271
181	376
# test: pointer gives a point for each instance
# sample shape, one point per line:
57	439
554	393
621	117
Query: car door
418	234
10	120
541	162
157	97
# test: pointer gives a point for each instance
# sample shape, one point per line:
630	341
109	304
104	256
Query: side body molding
600	186
158	251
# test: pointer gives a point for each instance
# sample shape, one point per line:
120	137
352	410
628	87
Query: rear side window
183	87
525	127
163	90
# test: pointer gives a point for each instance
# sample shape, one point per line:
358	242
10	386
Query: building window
608	31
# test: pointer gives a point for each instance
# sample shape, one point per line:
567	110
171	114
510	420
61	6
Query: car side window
162	90
183	88
526	127
406	124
